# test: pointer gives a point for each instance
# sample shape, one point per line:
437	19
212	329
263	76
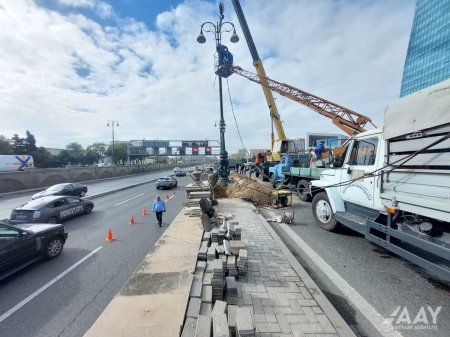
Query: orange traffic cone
167	197
174	193
144	211
110	236
131	222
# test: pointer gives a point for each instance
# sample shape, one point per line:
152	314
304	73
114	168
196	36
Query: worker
320	149
159	206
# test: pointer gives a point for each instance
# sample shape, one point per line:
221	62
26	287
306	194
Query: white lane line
120	203
372	315
46	286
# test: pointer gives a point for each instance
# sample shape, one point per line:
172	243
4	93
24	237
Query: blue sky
69	66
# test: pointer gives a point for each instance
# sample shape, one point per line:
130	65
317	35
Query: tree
73	154
95	153
30	142
43	158
120	153
18	144
5	145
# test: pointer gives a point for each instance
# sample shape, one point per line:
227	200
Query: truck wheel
323	213
303	190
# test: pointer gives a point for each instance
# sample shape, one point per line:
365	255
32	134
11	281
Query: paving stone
327	326
268	327
196	288
189	327
283	323
220	307
220	326
194	307
244	322
204	326
297	319
312	328
206	309
207	279
260	318
207	294
312	317
271	318
231	316
317	310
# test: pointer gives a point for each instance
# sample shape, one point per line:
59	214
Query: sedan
180	173
24	244
63	189
166	182
51	209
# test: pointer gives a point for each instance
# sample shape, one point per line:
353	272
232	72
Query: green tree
43	158
73	154
95	153
18	144
5	145
120	153
30	142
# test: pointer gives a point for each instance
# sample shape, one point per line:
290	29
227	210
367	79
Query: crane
282	144
347	120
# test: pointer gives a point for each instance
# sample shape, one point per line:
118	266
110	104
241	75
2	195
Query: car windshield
56	188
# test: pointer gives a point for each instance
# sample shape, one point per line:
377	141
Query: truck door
361	161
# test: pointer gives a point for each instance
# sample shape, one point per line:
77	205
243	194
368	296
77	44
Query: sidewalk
285	301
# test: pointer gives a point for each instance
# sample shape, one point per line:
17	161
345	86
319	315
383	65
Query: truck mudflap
422	250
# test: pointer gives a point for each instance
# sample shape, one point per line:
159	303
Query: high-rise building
428	57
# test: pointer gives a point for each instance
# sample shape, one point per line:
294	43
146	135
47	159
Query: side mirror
338	161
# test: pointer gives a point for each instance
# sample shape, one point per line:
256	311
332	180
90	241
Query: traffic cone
131	222
144	211
167	197
174	193
110	236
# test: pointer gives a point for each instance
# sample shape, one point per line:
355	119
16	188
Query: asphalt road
384	280
69	306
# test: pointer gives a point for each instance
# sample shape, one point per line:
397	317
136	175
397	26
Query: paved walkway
285	301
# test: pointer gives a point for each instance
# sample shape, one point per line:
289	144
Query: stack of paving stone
235	246
231	266
231	290
217	280
242	262
221	235
201	265
237	232
224	263
211	253
214	234
207	237
244	322
202	253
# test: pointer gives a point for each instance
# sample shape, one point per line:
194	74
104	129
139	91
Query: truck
392	184
16	162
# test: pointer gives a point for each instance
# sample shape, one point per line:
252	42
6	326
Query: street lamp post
112	127
217	29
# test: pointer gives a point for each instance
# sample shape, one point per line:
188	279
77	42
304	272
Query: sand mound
244	187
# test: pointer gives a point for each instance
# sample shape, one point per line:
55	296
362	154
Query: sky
69	66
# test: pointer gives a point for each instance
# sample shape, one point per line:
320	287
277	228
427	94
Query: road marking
372	315
120	203
46	286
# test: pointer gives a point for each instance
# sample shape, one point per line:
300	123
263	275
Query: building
428	57
329	138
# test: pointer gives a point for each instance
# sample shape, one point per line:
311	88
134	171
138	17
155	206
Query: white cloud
160	84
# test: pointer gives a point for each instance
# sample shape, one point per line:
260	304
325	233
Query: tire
303	190
323	213
53	247
82	194
52	219
88	209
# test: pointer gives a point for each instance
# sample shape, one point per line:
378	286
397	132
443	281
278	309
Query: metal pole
224	169
112	156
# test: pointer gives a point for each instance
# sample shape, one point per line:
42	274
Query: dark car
166	182
24	244
179	172
51	209
63	189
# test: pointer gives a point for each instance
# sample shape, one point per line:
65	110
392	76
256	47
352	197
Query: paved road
70	305
384	281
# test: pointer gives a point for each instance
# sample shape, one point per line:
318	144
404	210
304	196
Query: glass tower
428	57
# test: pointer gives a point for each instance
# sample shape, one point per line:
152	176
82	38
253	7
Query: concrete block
244	321
204	326
232	309
194	307
207	294
220	307
196	289
220	326
189	327
206	309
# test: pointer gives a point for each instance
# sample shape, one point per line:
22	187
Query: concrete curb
341	327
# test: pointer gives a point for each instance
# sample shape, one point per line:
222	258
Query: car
180	172
166	182
76	189
51	209
24	244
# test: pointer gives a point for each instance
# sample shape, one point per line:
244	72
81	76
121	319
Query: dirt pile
244	187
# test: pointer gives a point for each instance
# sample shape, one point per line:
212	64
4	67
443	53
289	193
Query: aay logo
425	319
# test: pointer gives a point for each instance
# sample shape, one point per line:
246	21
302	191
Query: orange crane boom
347	120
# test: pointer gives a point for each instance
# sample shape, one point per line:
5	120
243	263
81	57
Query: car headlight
36	214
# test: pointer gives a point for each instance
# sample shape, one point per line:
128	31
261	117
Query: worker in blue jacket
320	149
159	206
